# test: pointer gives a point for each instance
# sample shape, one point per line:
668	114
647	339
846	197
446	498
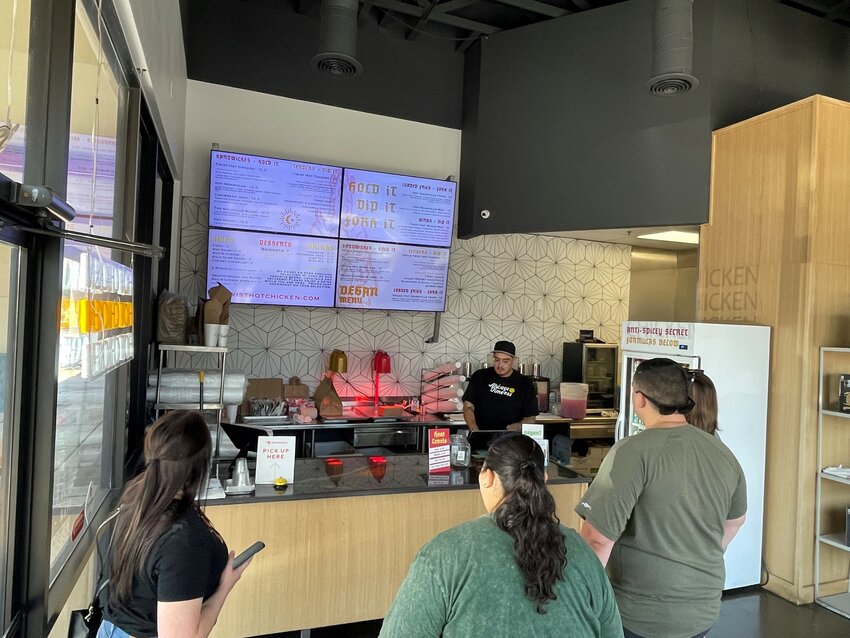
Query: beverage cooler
737	359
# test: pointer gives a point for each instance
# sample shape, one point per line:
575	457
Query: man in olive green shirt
662	510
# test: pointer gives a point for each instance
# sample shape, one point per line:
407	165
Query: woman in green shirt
514	572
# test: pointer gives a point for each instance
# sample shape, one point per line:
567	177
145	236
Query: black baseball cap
505	346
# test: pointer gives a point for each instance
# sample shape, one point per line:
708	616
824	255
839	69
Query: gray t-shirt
465	582
663	496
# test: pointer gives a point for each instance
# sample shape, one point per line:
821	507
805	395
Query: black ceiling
459	23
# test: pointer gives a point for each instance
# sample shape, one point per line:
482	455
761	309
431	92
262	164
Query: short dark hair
665	384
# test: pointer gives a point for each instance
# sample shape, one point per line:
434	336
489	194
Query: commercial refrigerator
737	359
596	365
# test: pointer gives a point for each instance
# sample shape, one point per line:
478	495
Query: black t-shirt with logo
500	401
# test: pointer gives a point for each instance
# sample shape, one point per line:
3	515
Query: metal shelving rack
213	407
839	603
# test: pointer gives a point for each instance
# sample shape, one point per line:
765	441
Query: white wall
153	29
253	122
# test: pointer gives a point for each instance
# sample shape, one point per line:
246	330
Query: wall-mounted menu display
284	232
397	208
391	276
252	192
264	268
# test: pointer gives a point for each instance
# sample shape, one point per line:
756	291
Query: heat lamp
381	365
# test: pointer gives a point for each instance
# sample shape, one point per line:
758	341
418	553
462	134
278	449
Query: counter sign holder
439	452
275	458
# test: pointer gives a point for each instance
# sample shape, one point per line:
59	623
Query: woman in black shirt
170	570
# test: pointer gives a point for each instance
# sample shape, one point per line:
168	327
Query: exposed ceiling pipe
338	39
672	48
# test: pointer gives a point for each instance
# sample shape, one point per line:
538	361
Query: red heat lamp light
378	467
381	365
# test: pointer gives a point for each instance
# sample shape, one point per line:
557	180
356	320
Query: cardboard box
589	465
261	389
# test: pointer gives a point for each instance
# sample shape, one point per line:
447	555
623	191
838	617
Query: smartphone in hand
256	547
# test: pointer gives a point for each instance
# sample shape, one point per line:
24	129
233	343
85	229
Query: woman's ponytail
527	513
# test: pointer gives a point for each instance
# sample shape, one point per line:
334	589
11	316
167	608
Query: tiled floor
748	613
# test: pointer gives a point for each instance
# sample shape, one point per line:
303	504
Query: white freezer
737	358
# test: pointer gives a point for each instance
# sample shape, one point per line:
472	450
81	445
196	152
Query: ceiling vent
672	48
338	40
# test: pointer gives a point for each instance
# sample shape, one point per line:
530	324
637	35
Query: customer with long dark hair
170	572
513	572
702	391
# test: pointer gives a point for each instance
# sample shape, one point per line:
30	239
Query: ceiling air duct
338	40
672	48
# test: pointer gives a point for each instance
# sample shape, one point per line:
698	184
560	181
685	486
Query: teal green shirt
466	583
663	496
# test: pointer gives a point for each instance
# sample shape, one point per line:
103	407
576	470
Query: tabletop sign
439	458
275	457
535	431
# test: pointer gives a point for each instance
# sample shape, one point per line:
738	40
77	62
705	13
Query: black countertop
360	475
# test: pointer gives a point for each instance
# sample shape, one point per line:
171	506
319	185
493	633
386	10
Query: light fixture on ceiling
672	48
338	40
676	236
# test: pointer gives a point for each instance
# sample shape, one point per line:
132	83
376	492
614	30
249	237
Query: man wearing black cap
662	510
499	397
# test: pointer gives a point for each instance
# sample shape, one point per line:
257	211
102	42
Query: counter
393	431
339	546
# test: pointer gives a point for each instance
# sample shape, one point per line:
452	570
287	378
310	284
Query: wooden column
776	252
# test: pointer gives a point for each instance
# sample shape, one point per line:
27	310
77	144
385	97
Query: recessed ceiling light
678	236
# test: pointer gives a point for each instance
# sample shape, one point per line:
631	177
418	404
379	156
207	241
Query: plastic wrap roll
193	394
442	382
446	368
176	378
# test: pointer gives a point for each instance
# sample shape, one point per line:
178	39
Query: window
96	306
14	58
9	284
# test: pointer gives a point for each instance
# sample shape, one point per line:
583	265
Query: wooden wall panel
775	253
338	560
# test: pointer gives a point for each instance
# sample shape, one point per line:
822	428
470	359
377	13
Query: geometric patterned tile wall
534	290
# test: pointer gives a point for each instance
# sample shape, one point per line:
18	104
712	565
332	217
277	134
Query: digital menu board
397	208
391	276
285	232
265	268
274	195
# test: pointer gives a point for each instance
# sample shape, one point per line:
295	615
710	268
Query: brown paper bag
294	389
327	400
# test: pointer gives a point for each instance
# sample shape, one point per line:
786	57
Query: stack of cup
215	334
241	478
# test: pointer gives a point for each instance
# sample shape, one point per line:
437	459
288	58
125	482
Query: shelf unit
832	554
216	407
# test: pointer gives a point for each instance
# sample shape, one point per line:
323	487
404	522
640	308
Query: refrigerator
737	358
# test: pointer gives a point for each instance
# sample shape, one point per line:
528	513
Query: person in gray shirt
662	510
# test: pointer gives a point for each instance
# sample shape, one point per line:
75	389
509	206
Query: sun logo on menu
290	219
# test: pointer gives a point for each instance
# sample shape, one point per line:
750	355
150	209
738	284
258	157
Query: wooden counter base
330	561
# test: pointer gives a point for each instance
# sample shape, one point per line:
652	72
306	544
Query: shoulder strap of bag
100	559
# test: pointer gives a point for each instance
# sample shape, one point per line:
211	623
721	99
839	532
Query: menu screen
274	195
397	208
263	268
293	233
391	276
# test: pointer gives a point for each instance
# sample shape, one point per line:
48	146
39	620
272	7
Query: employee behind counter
499	397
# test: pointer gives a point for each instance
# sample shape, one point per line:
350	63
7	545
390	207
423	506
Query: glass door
10	284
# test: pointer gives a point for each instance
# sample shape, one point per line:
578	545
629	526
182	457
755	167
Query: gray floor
749	613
